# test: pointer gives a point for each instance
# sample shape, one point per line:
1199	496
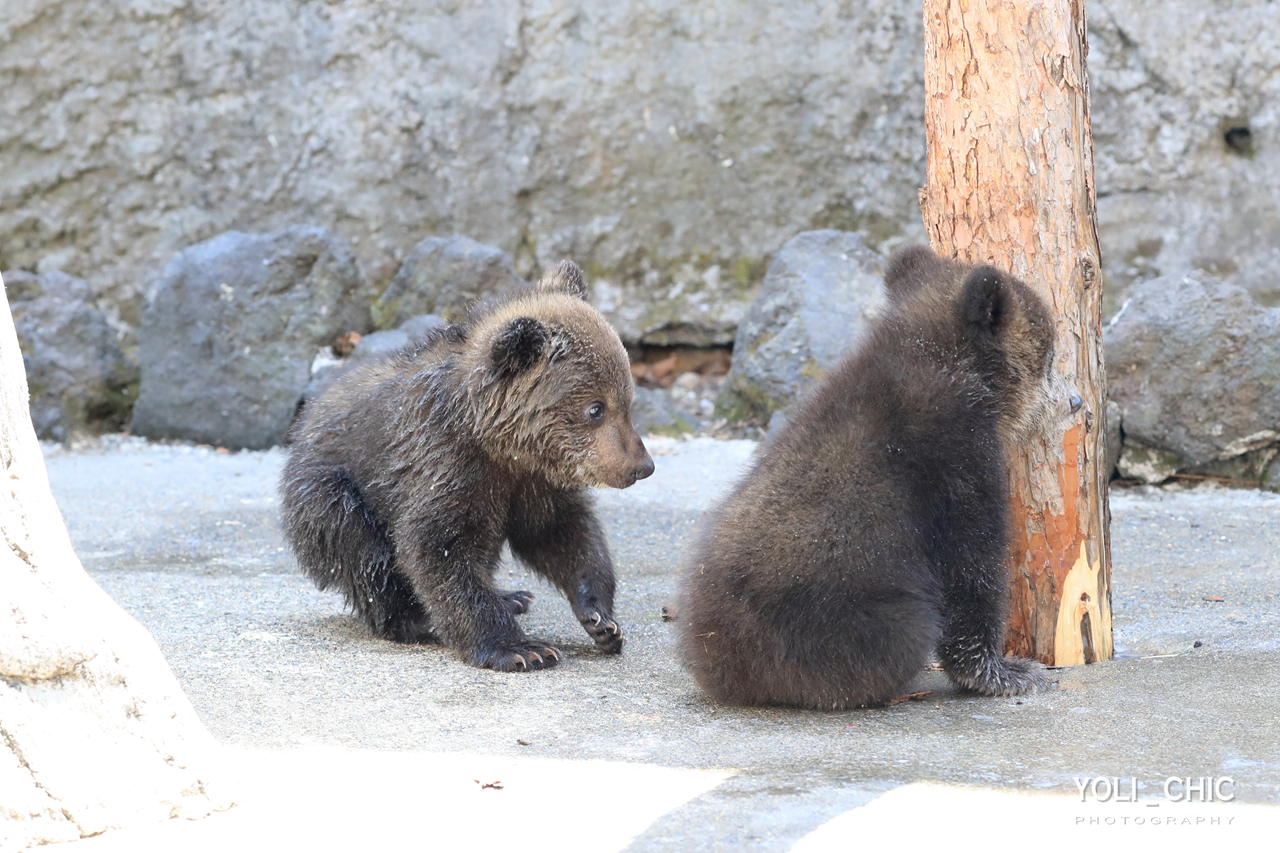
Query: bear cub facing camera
873	531
405	477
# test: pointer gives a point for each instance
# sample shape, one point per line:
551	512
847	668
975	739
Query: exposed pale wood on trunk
94	730
1009	182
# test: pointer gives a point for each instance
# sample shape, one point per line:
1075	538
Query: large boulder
1195	367
228	339
689	305
444	276
653	413
328	365
80	380
821	290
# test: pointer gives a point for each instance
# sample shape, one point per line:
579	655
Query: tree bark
95	732
1009	182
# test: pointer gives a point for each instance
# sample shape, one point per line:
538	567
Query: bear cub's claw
519	657
605	632
518	601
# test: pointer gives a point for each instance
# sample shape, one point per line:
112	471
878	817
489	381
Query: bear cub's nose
1076	403
644	470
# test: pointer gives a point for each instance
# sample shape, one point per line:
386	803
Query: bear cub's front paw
1022	676
605	632
1006	677
516	657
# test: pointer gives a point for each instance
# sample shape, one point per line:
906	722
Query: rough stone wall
664	145
669	147
1170	80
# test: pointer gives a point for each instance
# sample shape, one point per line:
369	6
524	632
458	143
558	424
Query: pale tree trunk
1009	182
95	732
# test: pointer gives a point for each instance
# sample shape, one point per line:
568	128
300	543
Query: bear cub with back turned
407	475
873	531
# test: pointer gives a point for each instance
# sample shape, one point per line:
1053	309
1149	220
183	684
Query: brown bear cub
872	532
406	476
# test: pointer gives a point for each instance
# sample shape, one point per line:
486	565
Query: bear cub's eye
596	411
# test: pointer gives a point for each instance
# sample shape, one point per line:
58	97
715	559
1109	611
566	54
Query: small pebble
687	381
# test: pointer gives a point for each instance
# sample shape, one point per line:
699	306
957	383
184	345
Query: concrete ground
340	740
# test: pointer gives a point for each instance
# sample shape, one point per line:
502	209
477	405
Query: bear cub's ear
519	346
910	269
564	278
986	301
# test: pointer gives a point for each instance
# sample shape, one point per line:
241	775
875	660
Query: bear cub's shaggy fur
872	532
405	477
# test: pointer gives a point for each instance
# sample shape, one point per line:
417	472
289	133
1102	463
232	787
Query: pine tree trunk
1009	182
94	730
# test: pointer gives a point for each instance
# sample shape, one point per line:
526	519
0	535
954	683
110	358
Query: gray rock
1195	367
1256	466
1114	436
444	276
1148	464
653	413
821	290
691	305
417	327
228	340
80	381
325	368
777	421
328	366
379	344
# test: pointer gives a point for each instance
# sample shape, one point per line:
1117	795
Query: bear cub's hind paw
1006	677
605	632
516	657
